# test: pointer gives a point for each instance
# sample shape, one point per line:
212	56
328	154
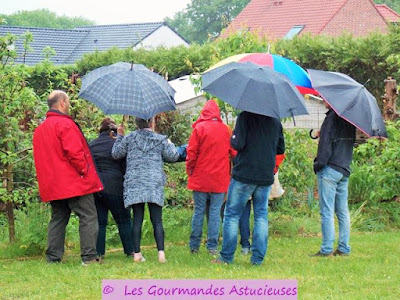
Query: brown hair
107	124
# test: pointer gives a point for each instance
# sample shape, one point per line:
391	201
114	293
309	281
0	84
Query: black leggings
156	220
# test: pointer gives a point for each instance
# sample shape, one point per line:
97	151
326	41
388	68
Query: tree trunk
9	182
11	223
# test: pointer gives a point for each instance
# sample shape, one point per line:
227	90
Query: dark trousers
115	204
85	209
156	219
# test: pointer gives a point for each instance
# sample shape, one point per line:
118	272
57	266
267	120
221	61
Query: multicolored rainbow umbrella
296	74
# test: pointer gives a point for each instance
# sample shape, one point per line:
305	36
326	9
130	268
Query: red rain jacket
64	164
209	152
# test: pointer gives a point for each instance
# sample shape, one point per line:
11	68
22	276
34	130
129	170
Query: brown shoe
320	254
218	261
340	253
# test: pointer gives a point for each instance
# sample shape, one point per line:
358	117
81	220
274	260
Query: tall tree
205	18
44	18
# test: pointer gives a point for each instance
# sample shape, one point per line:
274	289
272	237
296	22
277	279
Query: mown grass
371	272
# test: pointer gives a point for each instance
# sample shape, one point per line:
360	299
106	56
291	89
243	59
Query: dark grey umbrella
128	89
254	88
350	100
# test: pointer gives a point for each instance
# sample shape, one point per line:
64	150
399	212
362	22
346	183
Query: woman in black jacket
111	172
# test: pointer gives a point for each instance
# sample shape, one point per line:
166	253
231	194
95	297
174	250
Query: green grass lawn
371	272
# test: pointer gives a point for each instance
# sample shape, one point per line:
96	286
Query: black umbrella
256	89
350	100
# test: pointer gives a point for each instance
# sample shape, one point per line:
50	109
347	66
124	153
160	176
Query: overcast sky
102	12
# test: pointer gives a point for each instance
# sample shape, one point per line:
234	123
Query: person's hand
121	130
317	134
169	141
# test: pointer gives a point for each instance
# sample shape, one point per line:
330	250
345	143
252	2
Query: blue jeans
238	195
332	192
114	203
244	226
200	199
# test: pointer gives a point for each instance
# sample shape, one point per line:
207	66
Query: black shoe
340	253
320	254
95	261
194	251
57	261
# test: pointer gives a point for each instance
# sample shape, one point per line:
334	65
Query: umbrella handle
312	136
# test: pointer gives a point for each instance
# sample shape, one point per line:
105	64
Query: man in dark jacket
332	166
258	139
67	178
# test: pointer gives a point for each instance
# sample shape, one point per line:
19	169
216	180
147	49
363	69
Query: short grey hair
55	97
142	123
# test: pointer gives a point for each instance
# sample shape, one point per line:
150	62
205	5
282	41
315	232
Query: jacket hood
210	111
146	140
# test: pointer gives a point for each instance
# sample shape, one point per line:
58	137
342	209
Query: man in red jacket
67	178
208	168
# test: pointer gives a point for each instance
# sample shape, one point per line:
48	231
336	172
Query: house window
295	30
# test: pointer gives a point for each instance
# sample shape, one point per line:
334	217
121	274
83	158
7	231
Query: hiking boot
92	262
340	253
320	254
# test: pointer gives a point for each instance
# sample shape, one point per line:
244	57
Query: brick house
288	18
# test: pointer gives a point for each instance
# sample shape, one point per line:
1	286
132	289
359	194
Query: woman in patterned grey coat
144	179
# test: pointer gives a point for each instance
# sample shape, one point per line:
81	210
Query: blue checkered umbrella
128	89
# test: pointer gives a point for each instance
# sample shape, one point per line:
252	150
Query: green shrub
31	222
296	172
376	168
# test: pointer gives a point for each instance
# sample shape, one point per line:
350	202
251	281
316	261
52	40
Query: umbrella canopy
350	100
128	89
256	89
297	75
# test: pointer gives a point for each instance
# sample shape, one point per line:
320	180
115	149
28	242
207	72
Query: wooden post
389	100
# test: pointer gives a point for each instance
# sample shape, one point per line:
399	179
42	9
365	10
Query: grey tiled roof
62	41
104	37
71	45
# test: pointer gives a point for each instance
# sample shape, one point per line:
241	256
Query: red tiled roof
389	14
276	17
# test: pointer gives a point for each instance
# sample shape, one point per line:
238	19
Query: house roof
104	37
62	41
276	18
71	45
389	14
